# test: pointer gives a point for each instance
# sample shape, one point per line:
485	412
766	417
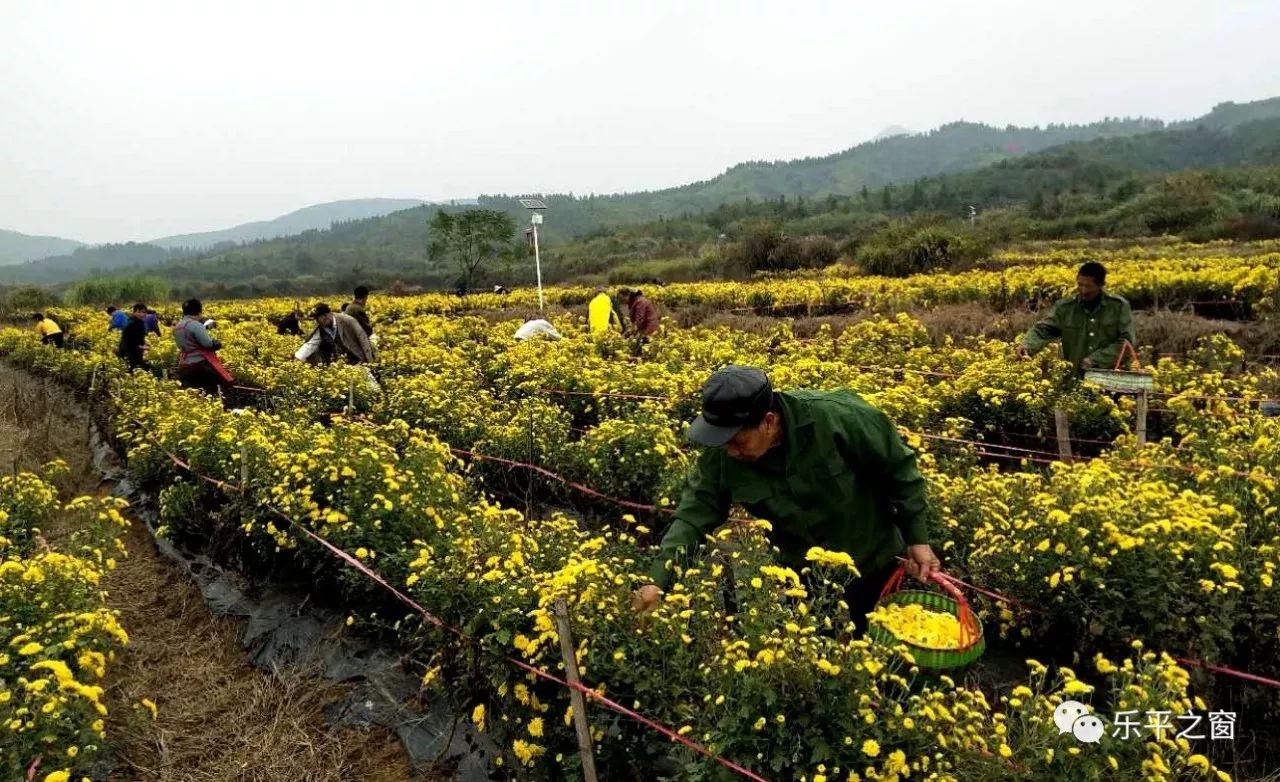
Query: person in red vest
642	313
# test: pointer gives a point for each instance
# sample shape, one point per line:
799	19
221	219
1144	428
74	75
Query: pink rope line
601	699
561	479
587	691
960	440
1222	669
609	394
1171	394
409	602
578	486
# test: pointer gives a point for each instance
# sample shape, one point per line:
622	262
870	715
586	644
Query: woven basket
1122	381
973	644
1119	381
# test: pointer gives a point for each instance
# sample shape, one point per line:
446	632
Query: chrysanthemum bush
741	676
1168	275
1100	553
1188	529
57	638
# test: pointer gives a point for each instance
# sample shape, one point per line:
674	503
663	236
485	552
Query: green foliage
27	298
765	248
120	291
470	240
916	246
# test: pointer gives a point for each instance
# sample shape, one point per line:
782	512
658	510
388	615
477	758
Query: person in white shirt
537	328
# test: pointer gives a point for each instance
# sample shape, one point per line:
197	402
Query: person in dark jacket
641	314
824	467
152	322
358	309
1092	325
291	323
133	339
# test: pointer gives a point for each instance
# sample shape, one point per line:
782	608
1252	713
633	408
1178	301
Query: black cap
734	397
318	310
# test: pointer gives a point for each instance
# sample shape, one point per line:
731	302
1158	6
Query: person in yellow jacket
49	331
601	316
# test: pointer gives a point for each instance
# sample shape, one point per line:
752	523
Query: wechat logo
1073	717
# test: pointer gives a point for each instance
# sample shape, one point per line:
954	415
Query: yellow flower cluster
919	626
737	669
56	636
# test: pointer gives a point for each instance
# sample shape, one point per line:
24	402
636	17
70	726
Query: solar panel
532	203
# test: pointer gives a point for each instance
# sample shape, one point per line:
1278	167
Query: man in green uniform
825	468
1093	325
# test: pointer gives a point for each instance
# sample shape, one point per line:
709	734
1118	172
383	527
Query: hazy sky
132	120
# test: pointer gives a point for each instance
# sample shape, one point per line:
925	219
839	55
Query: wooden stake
1064	433
351	397
575	696
1141	411
244	466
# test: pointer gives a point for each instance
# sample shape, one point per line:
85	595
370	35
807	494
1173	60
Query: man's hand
1021	351
645	599
921	562
1087	363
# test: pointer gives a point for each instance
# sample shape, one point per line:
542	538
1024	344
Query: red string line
1253	677
567	392
352	561
561	479
580	487
944	577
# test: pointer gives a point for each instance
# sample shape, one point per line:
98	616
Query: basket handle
1127	347
969	630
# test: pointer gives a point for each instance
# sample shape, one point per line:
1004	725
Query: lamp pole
536	219
536	206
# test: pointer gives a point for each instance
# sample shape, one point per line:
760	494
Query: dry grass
219	718
40	422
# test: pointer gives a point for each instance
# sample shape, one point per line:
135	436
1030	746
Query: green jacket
846	482
1098	335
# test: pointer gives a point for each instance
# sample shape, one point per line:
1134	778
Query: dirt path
218	717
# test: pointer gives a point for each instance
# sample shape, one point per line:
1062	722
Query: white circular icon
1067	713
1087	729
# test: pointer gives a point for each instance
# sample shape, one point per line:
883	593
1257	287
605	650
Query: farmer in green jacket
1093	325
825	468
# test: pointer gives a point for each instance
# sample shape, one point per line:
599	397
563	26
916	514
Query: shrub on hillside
911	248
27	298
117	290
764	248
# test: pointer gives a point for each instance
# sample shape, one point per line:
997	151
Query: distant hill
1228	115
319	216
18	247
890	132
76	260
958	146
1113	186
394	244
87	261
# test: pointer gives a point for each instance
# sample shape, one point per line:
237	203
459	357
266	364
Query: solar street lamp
536	207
